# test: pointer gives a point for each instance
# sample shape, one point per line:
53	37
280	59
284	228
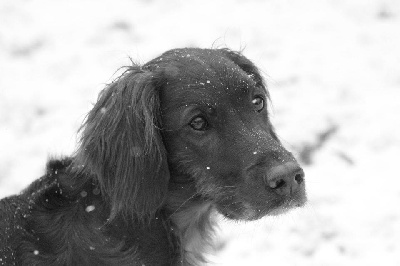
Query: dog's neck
193	222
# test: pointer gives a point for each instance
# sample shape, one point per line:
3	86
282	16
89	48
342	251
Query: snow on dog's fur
166	146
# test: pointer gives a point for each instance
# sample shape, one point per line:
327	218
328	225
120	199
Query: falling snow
90	208
324	62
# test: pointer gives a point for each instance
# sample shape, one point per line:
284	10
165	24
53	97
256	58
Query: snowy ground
333	69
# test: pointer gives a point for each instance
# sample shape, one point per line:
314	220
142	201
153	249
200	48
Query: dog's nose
285	179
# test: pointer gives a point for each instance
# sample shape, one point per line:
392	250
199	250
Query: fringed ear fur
121	145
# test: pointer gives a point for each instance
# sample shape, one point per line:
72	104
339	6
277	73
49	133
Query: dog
166	146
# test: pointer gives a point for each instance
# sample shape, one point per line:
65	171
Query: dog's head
194	121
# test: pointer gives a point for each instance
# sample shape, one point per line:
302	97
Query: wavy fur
166	146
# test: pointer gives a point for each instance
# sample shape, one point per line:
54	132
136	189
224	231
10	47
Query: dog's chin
251	212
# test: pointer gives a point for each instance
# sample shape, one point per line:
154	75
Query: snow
327	63
90	208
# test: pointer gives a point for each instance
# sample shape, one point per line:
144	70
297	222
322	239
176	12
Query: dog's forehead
212	80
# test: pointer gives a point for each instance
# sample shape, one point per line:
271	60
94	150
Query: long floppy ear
121	145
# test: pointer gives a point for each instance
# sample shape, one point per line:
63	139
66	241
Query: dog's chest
194	229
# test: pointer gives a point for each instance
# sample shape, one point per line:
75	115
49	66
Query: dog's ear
121	145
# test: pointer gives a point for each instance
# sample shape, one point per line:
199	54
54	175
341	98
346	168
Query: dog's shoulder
15	211
12	227
62	220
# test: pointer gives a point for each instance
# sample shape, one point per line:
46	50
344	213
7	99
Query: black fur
166	146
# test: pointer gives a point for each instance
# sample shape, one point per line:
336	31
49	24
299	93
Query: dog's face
190	125
218	137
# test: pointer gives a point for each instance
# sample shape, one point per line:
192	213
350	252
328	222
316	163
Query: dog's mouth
287	205
248	211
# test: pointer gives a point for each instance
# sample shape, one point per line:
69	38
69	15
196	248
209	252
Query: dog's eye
199	123
258	102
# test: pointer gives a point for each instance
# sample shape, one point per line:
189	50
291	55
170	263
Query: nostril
299	178
280	183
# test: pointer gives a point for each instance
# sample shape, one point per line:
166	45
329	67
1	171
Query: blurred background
333	70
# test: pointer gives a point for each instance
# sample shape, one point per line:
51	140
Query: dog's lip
288	204
281	205
275	207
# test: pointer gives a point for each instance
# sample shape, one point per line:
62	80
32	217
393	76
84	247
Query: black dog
166	145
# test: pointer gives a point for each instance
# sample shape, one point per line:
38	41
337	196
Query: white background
328	64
